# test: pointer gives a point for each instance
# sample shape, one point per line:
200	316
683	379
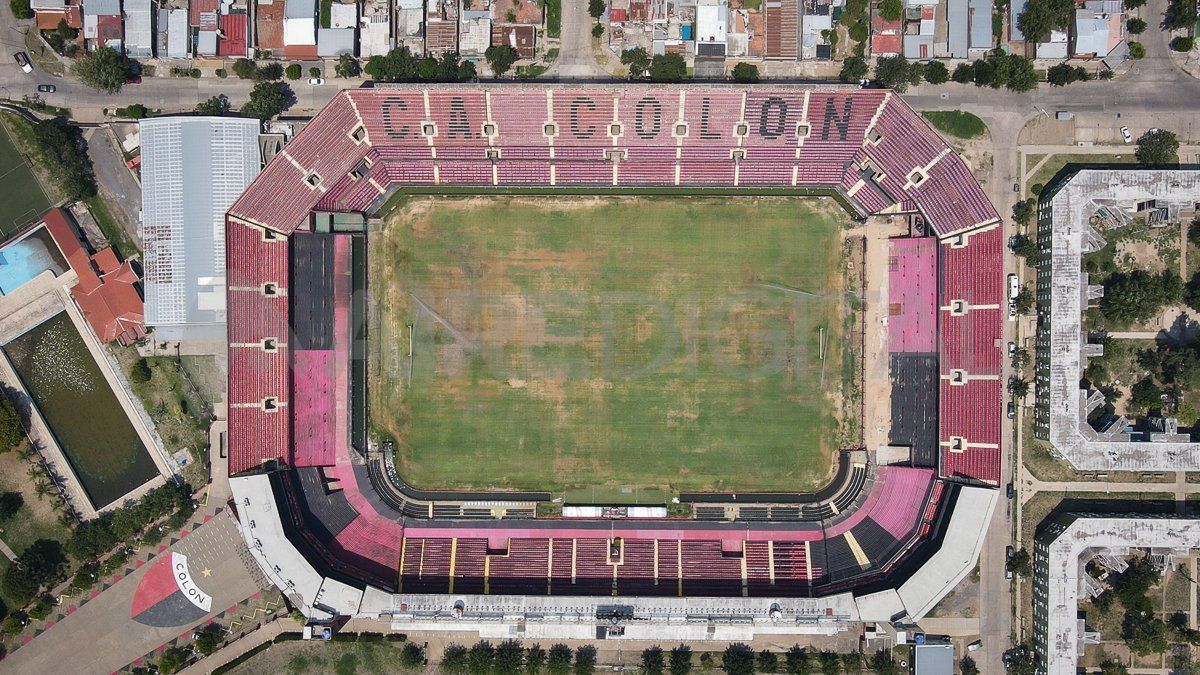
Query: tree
347	66
1136	296
535	659
1064	74
1145	635
892	72
412	656
63	154
1023	211
1158	147
596	9
292	72
967	666
598	30
796	662
508	659
637	60
1023	303
104	69
1136	50
964	73
883	663
267	100
12	429
681	660
1180	15
891	10
768	661
454	659
1042	16
1019	563
936	72
140	371
481	657
39	564
653	661
214	107
20	9
244	68
1145	394
854	69
745	73
62	39
559	661
738	659
830	662
269	72
10	503
585	660
500	58
171	660
668	68
1027	248
1135	26
208	638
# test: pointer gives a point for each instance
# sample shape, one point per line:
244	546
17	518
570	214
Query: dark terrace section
311	291
914	379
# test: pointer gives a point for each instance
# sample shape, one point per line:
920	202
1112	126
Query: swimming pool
28	257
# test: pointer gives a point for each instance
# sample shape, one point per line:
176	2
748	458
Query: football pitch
550	343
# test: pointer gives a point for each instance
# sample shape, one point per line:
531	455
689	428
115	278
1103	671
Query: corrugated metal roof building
335	41
139	38
193	168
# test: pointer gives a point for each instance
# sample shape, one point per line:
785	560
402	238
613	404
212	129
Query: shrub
746	73
598	30
936	72
1182	43
41	608
1135	26
347	66
314	72
244	69
292	72
20	9
222	73
1136	50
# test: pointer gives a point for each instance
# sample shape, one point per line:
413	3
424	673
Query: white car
316	81
1126	135
23	62
974	646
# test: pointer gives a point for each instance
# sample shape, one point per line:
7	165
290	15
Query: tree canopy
500	59
1042	16
347	66
893	72
738	659
1136	296
1158	147
595	8
1180	15
854	69
936	72
267	100
103	69
215	106
746	73
637	60
891	10
400	65
668	68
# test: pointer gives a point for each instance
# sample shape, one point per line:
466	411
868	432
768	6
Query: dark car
46	88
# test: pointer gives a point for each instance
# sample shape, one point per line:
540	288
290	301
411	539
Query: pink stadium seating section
912	295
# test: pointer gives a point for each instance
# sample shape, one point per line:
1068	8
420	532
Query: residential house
1098	27
441	27
474	32
1054	48
781	28
521	38
48	14
1015	9
744	33
268	25
969	25
173	33
343	15
334	42
232	40
300	29
374	36
920	31
886	38
102	24
816	26
516	12
410	24
139	36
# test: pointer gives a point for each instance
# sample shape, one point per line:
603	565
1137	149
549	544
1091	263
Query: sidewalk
264	634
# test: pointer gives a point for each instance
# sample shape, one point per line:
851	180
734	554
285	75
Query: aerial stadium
452	310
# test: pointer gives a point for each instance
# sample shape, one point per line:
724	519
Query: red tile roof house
886	39
106	290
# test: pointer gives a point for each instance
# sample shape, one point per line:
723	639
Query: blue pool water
23	260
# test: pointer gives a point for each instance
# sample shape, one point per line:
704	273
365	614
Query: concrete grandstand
333	525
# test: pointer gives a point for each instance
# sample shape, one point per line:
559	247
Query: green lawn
956	123
631	342
24	200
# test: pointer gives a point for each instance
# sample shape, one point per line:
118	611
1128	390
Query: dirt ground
877	389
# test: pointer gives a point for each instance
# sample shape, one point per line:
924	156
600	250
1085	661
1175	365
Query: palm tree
41	488
36	471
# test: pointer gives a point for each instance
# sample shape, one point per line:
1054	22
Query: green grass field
24	201
956	123
654	342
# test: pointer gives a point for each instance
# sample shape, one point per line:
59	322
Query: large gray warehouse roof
193	168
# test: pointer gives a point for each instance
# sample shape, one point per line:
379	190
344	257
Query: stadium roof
193	168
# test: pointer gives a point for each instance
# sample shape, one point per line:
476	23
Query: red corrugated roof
198	7
886	44
233	35
105	290
617	15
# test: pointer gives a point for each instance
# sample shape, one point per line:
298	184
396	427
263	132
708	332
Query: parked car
316	81
23	61
46	88
975	646
1126	135
1012	410
1010	491
1012	349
